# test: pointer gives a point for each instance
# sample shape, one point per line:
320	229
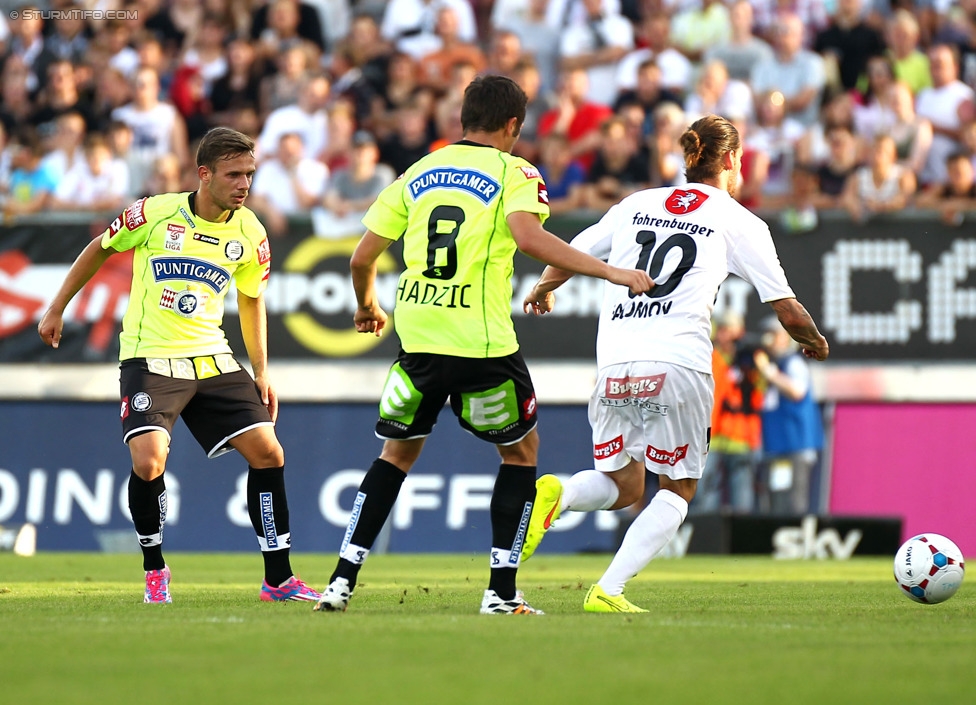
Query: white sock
587	491
650	532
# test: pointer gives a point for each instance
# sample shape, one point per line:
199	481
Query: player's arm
81	271
254	330
369	317
538	243
799	324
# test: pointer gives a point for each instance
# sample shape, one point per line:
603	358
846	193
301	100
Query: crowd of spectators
865	105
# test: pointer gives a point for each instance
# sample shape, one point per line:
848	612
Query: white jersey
688	239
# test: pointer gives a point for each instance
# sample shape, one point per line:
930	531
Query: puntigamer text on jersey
474	182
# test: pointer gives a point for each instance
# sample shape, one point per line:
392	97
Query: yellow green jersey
455	294
182	267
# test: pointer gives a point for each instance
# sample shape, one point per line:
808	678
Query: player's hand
819	351
539	305
269	397
637	280
370	320
50	328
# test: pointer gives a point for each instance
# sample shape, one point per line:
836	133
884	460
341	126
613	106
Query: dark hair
222	143
490	102
704	145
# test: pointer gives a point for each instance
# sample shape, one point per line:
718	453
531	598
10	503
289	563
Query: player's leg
375	498
495	401
267	508
412	398
676	447
147	505
617	480
151	402
226	414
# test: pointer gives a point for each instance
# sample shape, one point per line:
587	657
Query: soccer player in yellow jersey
462	212
175	359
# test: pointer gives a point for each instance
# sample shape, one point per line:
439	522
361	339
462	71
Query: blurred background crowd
863	105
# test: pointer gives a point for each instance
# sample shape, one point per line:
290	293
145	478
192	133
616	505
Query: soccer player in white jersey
653	398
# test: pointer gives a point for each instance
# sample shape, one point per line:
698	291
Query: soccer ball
929	568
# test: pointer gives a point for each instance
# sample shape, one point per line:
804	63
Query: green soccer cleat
599	601
545	510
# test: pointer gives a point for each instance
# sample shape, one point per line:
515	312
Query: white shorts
654	411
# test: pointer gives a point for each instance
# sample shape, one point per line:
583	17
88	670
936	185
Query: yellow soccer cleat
545	510
599	601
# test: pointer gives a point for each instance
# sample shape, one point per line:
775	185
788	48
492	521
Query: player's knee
268	456
148	466
525	452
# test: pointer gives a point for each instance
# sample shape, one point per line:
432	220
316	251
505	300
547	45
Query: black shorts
493	398
217	399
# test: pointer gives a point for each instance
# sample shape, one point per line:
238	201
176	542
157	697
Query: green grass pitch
748	630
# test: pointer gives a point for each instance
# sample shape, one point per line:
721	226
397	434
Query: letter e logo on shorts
141	402
608	449
682	202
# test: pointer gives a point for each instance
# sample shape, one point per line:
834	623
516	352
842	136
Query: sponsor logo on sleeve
608	449
682	202
135	215
116	225
264	251
543	193
664	457
174	237
530	172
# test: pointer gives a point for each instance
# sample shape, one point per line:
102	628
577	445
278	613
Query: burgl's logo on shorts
608	449
663	457
641	387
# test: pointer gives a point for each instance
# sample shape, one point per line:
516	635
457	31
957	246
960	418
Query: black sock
511	505
267	507
377	495
147	504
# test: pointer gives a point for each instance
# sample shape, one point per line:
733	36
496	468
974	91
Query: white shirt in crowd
577	39
83	188
940	106
313	128
273	181
676	70
689	239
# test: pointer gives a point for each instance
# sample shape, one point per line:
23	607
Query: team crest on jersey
174	237
683	202
234	250
185	303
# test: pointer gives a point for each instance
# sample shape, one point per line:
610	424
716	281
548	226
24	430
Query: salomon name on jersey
181	271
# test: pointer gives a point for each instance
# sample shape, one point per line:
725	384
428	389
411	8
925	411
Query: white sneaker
335	598
491	603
